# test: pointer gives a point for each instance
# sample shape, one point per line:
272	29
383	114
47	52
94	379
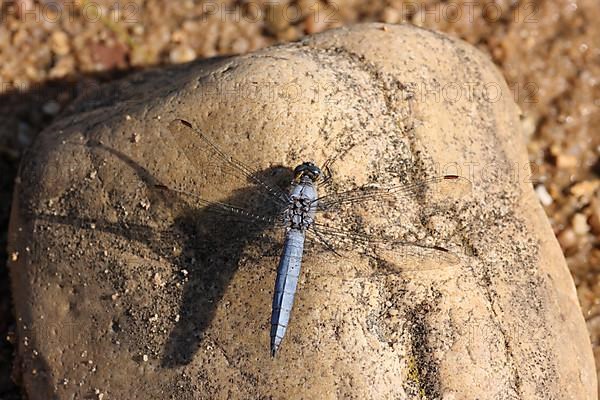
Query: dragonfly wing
211	160
225	211
452	186
392	256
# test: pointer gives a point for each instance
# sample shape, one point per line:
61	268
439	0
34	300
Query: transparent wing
215	164
392	256
445	185
228	212
232	209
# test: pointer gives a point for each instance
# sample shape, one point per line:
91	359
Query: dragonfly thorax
301	209
299	215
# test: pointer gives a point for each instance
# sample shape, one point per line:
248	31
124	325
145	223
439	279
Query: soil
549	52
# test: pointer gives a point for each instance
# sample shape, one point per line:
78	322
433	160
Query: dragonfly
298	211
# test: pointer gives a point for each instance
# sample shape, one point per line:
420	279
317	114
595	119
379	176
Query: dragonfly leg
327	172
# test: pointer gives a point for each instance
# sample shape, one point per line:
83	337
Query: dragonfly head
307	170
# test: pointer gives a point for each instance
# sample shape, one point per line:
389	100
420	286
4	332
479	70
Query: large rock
123	291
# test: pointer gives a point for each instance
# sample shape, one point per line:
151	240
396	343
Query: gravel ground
548	51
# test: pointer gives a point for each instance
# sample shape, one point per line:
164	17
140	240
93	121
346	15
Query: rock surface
125	291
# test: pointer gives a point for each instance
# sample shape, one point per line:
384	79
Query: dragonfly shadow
210	256
213	246
210	244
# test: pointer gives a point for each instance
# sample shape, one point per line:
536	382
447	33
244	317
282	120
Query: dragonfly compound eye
307	169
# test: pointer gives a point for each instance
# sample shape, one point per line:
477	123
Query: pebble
138	30
528	125
63	66
314	24
182	54
240	45
178	36
145	357
51	107
567	238
543	195
580	225
585	188
566	161
59	43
